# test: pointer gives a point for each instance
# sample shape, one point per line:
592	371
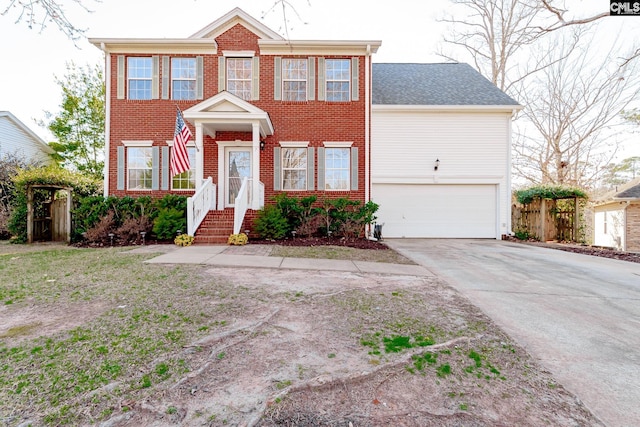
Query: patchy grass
340	252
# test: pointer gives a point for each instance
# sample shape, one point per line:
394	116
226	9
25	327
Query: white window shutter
165	168
355	86
277	78
221	74
199	77
120	185
155	77
310	169
354	168
277	169
120	80
255	76
321	177
322	87
311	79
155	168
165	77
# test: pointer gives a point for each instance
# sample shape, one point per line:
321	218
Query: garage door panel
455	211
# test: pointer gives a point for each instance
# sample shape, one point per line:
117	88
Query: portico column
255	168
199	156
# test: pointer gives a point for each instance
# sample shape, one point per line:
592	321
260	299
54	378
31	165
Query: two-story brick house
430	143
294	114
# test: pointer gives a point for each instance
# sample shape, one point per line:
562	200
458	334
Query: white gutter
107	123
508	174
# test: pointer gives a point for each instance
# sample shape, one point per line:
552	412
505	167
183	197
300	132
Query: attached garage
438	211
440	152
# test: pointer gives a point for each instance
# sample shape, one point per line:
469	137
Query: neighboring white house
617	219
440	152
17	139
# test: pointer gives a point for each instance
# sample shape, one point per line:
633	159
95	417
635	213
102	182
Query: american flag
179	156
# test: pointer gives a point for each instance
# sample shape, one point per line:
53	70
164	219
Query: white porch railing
244	200
241	205
199	204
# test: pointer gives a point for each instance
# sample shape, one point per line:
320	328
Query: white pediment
223	102
234	17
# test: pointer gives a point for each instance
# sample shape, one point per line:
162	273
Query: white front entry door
237	167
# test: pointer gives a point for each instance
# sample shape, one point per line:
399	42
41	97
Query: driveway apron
578	314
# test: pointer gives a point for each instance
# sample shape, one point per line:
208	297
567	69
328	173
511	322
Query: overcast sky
408	29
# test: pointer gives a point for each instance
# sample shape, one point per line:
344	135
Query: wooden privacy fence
545	219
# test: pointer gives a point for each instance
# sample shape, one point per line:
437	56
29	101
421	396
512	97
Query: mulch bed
358	243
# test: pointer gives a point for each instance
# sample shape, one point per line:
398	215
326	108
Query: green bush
168	222
271	223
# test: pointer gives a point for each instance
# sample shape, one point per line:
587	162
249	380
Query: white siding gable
609	226
17	139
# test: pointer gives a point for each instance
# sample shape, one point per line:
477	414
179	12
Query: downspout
367	125
508	172
107	123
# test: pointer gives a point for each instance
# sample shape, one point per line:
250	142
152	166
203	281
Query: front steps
216	228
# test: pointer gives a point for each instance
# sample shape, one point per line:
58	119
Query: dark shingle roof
630	193
434	84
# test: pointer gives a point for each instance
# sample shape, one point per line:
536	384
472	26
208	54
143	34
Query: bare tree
572	109
495	32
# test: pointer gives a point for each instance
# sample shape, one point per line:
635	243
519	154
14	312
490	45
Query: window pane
187	179
239	77
337	168
294	168
294	79
139	168
139	72
338	79
183	77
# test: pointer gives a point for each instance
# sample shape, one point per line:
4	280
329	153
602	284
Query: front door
237	167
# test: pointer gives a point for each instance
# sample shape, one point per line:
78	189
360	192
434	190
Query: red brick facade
633	227
313	121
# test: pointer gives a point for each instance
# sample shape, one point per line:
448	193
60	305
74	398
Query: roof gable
234	17
224	102
631	192
22	128
435	84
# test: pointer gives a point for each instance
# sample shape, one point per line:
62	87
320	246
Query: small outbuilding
617	219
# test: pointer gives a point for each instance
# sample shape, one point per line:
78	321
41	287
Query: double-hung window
183	78
187	179
338	79
139	77
139	168
337	163
294	79
239	75
294	168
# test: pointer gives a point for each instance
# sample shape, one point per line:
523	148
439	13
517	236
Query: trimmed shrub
168	222
270	223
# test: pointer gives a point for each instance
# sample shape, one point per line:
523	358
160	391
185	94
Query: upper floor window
139	77
183	78
239	75
294	79
338	78
139	168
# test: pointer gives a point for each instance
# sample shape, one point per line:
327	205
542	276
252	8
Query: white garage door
454	211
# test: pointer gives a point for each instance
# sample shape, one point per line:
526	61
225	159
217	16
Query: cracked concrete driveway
578	314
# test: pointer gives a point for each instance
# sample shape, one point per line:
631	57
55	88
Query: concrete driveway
578	314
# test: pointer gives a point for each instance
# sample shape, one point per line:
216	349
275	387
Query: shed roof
435	84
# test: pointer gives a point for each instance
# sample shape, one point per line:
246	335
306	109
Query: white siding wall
473	148
14	140
612	235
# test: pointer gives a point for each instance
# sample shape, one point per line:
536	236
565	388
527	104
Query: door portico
227	112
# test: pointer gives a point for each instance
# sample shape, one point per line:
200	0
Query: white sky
408	29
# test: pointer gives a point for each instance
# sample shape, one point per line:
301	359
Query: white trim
228	21
337	144
239	53
157	46
137	143
509	109
294	144
318	47
189	144
107	126
367	125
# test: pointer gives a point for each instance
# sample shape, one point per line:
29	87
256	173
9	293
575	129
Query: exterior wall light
262	144
435	168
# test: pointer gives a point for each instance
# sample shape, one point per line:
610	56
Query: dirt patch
342	349
20	323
